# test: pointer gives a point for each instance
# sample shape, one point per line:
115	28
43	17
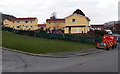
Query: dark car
118	35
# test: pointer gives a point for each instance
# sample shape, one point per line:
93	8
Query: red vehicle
108	41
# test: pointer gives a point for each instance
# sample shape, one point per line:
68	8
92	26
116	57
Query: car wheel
107	48
113	47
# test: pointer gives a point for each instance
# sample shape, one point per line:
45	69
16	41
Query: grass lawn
40	45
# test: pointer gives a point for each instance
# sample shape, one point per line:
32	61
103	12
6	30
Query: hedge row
82	39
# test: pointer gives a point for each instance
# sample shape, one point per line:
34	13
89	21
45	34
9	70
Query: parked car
118	35
109	32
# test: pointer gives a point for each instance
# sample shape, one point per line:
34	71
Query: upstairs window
18	21
31	21
26	27
54	22
73	20
26	21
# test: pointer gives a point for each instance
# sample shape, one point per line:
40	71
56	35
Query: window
54	22
55	28
26	21
13	21
31	21
63	22
77	30
26	27
18	21
73	20
49	22
62	28
18	26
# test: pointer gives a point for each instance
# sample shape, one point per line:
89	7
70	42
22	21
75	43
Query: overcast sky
99	11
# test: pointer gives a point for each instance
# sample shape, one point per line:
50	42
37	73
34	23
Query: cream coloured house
21	23
77	23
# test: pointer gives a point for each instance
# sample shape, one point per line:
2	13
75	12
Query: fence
82	39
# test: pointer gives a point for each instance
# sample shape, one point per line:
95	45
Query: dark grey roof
78	11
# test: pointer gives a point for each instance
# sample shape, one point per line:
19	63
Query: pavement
77	53
61	54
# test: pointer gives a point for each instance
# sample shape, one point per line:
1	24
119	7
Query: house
97	27
43	26
55	24
74	23
113	25
21	23
77	23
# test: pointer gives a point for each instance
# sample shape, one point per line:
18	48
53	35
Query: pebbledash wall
55	23
22	23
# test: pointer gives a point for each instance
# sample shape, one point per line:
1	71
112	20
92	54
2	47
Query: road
106	61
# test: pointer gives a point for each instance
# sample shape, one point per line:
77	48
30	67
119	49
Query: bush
99	32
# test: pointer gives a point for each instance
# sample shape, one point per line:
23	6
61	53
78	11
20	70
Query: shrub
99	32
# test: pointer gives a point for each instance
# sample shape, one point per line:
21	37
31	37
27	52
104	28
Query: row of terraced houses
74	23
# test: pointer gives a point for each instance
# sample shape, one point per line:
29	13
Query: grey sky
99	11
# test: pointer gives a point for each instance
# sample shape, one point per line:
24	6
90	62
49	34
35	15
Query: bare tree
53	15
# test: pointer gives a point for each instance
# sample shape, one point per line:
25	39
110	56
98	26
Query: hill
6	16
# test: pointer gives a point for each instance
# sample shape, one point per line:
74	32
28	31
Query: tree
53	15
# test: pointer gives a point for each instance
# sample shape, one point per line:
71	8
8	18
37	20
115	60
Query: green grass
40	45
